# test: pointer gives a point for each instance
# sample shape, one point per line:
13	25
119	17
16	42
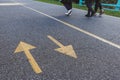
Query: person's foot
101	12
92	14
69	12
95	14
87	15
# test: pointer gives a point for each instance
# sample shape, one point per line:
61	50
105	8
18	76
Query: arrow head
23	46
67	50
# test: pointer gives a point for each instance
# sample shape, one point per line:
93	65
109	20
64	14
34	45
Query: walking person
98	5
68	6
89	4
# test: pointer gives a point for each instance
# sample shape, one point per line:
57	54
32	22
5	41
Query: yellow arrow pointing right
67	50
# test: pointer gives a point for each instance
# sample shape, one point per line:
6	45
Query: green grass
108	12
50	1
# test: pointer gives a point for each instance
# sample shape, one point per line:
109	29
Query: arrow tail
55	41
32	61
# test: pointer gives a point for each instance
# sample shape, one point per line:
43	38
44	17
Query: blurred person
89	4
98	5
68	6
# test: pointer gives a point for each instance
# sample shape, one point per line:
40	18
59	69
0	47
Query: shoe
87	15
101	12
69	12
95	14
92	14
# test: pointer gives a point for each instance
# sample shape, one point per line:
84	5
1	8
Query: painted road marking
67	50
10	4
76	28
26	47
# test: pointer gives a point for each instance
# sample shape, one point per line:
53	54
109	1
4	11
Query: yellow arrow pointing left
26	47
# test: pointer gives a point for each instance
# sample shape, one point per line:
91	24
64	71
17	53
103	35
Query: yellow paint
26	47
67	50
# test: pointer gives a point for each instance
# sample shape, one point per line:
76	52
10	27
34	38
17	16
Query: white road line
76	28
10	4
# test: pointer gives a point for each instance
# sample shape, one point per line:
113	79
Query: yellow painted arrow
26	47
68	50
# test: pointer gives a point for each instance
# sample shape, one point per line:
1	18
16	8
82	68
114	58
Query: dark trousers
90	9
98	5
68	5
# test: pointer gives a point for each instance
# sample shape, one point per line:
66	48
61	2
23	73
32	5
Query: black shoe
69	12
87	15
93	13
101	12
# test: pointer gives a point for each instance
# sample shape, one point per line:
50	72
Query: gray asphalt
96	60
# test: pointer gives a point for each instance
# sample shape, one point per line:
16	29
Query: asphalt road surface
38	42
